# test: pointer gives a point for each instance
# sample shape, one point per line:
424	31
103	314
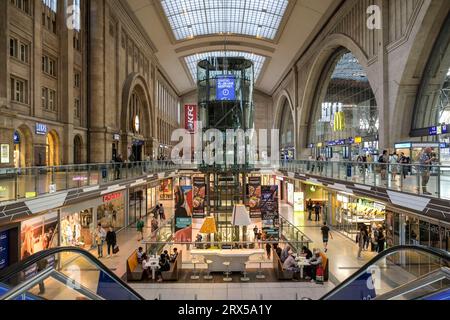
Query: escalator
65	273
399	273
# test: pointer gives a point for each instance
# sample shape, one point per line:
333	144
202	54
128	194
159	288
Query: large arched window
432	107
286	127
345	106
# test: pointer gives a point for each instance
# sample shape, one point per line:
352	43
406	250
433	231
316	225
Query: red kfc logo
190	114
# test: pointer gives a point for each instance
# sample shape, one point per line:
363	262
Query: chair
227	273
245	277
195	276
208	275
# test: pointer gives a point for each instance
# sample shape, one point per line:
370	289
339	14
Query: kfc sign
190	117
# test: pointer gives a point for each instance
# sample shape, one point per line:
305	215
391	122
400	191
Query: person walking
140	228
309	207
317	209
268	247
426	160
111	241
360	240
393	161
162	216
404	161
100	236
325	235
383	160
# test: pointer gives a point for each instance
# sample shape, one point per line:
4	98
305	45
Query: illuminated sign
437	130
225	89
402	145
116	137
112	196
358	139
4	153
41	128
190	117
79	178
30	194
319	145
16	137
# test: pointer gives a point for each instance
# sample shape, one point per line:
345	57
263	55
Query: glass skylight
192	60
191	18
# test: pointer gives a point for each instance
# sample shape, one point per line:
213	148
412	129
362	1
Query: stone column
66	82
36	63
96	111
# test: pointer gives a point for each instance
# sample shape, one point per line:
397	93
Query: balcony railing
431	180
19	183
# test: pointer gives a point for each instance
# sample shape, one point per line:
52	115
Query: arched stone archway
53	148
285	123
136	123
23	147
77	149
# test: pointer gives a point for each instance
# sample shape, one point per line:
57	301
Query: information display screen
226	86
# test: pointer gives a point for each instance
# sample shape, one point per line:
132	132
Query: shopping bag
319	274
116	249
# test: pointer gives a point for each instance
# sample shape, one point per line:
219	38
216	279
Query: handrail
283	220
436	252
14	269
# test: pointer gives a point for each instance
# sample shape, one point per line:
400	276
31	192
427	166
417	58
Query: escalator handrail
10	271
436	252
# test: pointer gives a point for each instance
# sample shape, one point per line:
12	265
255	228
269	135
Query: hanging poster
165	189
4	153
270	212
39	233
254	196
183	214
198	201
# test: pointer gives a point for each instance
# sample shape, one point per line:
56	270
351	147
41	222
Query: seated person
147	271
174	256
140	253
285	253
164	265
289	263
306	253
166	253
315	263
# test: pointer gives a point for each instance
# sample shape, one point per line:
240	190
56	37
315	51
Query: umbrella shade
209	225
240	216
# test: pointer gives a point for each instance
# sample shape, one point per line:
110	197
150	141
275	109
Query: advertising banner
254	196
190	117
4	249
39	233
183	214
269	211
198	201
290	193
225	89
165	189
299	201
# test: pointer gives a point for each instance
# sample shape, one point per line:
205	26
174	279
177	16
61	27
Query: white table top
227	252
152	263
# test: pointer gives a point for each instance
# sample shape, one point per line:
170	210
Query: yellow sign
319	145
358	139
30	194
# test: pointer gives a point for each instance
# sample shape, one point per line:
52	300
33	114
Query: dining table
301	263
152	263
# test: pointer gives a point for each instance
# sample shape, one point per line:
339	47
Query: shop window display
111	213
39	233
152	196
350	213
77	229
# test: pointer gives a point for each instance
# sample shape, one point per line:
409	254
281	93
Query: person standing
393	161
317	209
111	241
382	160
268	247
140	228
360	240
162	216
404	161
325	235
100	236
426	160
255	232
381	239
309	207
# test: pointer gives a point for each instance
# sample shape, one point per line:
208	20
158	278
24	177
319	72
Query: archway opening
23	145
287	132
77	150
52	149
344	120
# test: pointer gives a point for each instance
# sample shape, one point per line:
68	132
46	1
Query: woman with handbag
111	241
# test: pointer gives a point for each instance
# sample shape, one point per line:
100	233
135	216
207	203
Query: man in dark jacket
111	241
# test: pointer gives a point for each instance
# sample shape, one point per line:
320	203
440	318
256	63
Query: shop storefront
137	204
350	212
152	196
111	213
38	233
413	150
77	228
407	228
